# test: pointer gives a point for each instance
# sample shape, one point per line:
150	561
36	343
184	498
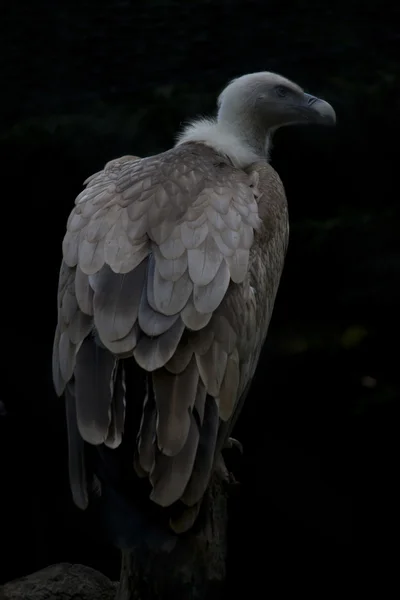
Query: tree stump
195	569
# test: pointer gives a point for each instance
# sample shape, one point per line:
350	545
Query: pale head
250	109
270	101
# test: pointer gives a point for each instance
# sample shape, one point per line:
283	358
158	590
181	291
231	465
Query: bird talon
233	443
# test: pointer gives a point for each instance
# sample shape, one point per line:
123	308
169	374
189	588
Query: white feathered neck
219	136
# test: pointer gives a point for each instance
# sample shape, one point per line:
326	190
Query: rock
61	581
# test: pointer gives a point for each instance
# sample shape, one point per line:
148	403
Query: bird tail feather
102	475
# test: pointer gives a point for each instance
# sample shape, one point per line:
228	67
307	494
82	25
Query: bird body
171	263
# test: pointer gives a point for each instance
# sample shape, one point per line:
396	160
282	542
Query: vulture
170	268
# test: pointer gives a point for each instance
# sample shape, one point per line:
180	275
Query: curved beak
315	110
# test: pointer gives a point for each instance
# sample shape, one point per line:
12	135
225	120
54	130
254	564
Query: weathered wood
195	568
62	581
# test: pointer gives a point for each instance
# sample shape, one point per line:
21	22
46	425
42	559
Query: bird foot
234	485
228	479
233	443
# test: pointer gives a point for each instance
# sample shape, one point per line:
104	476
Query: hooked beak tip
323	112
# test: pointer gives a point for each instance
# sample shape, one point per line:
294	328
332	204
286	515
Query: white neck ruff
215	134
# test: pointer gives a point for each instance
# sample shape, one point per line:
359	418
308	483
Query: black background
85	82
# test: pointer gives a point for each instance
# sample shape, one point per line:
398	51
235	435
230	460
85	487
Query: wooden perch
195	568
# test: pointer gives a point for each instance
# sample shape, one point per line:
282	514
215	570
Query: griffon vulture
170	268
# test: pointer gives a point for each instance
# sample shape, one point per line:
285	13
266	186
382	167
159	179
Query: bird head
250	109
266	101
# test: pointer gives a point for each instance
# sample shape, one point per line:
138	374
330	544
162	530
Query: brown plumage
175	259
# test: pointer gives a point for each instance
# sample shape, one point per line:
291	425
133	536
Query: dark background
84	82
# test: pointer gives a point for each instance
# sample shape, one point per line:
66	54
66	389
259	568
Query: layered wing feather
159	259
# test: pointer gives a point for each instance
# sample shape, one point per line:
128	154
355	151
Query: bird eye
282	91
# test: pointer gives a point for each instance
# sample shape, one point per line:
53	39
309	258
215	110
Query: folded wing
154	251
